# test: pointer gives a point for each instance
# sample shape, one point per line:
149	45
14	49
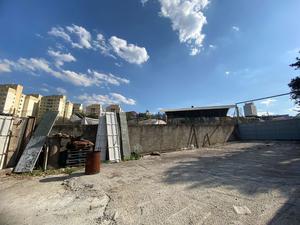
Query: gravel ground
238	183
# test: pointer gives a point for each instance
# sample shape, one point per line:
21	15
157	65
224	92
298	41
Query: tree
295	83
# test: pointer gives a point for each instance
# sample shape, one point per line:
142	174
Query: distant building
30	106
53	103
11	99
93	110
77	108
68	110
152	122
131	115
114	108
21	104
196	113
250	109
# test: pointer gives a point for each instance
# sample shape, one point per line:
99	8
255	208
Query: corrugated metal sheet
271	130
5	127
35	145
101	138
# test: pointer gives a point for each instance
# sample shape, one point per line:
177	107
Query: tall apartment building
77	108
114	108
21	104
31	106
54	103
68	110
11	99
93	110
250	109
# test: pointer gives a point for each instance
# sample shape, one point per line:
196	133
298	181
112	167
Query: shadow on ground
61	178
252	170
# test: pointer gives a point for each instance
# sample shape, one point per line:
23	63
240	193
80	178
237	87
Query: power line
273	96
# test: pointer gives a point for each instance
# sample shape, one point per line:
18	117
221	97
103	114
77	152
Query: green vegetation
295	83
39	172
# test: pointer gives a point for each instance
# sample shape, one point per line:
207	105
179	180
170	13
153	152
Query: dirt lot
239	183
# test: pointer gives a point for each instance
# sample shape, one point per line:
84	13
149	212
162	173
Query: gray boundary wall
270	130
162	138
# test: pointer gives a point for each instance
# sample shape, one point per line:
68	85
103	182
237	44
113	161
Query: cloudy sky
152	54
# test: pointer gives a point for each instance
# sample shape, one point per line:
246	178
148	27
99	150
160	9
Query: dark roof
209	111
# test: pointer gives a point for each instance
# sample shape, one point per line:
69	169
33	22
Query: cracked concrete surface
238	183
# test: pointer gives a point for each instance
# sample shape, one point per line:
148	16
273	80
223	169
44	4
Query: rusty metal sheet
35	145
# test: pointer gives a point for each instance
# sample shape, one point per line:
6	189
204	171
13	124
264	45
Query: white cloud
211	46
227	72
78	79
44	89
104	47
61	90
59	32
92	77
121	99
61	58
268	101
187	19
108	78
89	79
31	65
112	98
81	38
4	66
80	34
194	51
129	52
235	28
144	2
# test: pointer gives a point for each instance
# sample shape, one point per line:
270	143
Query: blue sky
152	54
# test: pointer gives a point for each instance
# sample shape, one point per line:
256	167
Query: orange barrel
92	164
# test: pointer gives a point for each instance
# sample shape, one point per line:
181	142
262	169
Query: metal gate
270	130
5	129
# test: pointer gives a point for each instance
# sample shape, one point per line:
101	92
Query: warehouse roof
193	112
199	108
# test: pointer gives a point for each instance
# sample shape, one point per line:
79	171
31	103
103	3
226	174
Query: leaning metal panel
5	127
101	138
126	151
35	145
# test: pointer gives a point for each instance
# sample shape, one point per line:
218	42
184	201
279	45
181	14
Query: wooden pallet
77	157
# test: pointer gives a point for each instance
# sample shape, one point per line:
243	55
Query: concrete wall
270	130
162	138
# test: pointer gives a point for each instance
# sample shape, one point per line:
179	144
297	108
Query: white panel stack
108	138
113	138
101	139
